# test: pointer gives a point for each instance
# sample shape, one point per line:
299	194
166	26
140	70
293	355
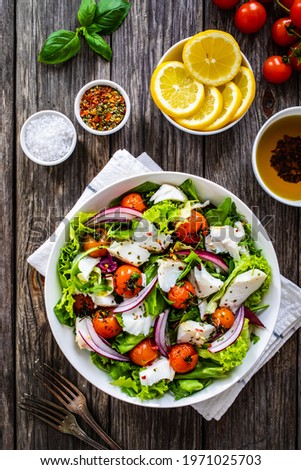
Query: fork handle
85	414
78	432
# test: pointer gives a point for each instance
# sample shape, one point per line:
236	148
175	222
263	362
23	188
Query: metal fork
72	398
57	417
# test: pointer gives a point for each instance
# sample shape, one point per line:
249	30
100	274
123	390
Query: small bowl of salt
48	137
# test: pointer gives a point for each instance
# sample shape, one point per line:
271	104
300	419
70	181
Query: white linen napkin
123	165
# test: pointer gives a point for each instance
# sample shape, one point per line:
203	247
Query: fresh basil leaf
86	12
59	47
109	15
99	45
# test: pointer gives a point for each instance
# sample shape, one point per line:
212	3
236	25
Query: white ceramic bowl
104	83
26	150
80	359
293	111
175	53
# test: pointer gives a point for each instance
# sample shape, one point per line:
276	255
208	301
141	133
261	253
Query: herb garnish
95	19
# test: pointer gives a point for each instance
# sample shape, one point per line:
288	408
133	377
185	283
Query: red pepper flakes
286	159
102	108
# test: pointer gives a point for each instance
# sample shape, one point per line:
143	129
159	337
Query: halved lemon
212	57
207	113
174	91
246	83
231	101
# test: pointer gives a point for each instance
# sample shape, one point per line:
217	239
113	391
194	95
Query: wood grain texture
267	413
7	190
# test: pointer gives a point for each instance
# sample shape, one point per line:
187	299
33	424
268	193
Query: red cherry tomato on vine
295	13
295	56
250	17
275	70
280	34
226	4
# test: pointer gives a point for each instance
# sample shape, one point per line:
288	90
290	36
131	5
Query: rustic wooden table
266	415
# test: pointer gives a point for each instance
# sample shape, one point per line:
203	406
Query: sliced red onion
98	344
252	317
231	335
129	304
107	264
207	256
114	214
160	333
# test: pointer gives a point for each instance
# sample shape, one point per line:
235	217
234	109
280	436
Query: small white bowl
293	111
104	83
27	151
175	53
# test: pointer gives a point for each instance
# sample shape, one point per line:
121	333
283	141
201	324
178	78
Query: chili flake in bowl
102	107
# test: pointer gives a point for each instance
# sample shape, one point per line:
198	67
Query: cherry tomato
183	357
275	70
287	3
295	13
223	317
106	324
295	56
127	280
280	34
182	295
90	242
83	305
250	17
188	231
133	201
226	4
144	353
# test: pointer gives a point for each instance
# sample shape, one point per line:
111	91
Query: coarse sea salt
49	137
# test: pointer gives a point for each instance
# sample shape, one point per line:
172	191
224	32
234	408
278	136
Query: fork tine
62	396
55	374
44	404
33	412
43	409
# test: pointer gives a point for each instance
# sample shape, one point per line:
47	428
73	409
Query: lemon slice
246	83
212	57
231	101
174	91
207	113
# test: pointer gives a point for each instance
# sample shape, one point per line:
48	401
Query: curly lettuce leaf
233	355
162	214
126	376
64	307
187	387
78	227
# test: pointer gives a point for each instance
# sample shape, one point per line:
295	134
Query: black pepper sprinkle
286	159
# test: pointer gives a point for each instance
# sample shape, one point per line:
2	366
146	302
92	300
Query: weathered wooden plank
267	413
44	196
7	193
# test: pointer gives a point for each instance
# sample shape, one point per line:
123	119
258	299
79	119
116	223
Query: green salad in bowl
165	291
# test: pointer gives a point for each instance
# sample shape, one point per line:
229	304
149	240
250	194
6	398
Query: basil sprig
103	17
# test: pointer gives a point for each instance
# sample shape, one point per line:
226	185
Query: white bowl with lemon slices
204	84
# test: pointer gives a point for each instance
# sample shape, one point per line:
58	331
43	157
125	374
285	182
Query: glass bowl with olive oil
276	156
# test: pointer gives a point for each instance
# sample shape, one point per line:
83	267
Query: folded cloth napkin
123	165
